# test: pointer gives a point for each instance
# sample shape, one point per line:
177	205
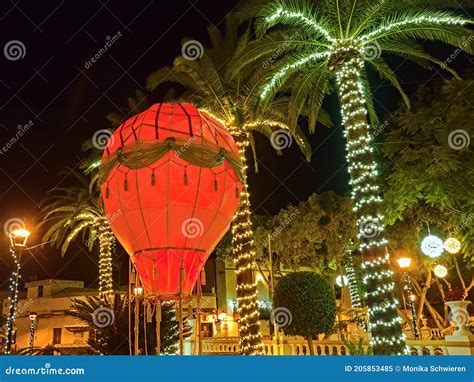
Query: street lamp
33	317
404	264
18	239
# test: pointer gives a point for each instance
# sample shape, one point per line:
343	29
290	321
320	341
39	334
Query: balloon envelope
171	184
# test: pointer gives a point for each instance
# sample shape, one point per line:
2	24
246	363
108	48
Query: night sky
67	101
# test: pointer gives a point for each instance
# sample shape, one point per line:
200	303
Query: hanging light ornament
432	246
341	281
440	271
452	245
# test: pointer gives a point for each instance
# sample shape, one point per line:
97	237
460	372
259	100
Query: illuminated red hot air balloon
171	180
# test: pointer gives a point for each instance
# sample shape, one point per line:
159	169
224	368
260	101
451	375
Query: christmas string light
345	60
384	322
352	281
243	249
452	245
280	14
381	32
13	301
106	243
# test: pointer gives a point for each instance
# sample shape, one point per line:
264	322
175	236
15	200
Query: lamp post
404	264
18	239
33	317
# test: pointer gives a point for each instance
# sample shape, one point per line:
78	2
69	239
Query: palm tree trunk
387	338
106	241
243	248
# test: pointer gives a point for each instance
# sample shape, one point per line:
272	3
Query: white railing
281	345
275	346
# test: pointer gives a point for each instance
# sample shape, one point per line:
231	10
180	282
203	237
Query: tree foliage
430	161
314	234
309	303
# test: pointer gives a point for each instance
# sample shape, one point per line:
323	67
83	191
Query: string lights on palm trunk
243	248
387	337
106	245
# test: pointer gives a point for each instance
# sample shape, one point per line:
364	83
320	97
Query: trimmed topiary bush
304	305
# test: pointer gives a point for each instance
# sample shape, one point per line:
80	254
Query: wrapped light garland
13	300
384	322
344	57
106	244
352	281
243	248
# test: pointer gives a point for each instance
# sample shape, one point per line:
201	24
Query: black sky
67	103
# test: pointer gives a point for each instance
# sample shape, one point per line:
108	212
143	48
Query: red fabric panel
170	224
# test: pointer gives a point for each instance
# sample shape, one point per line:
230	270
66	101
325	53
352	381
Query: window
40	291
57	336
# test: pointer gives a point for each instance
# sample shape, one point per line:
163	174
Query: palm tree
109	324
330	40
70	211
107	321
232	102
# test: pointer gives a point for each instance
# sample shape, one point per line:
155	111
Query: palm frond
388	74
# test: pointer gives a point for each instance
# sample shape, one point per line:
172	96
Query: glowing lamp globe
452	245
432	246
19	237
440	271
404	262
341	281
171	179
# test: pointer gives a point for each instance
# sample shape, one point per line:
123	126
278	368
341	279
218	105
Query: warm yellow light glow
20	233
404	262
440	270
222	316
259	277
412	297
19	237
452	245
341	281
138	291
